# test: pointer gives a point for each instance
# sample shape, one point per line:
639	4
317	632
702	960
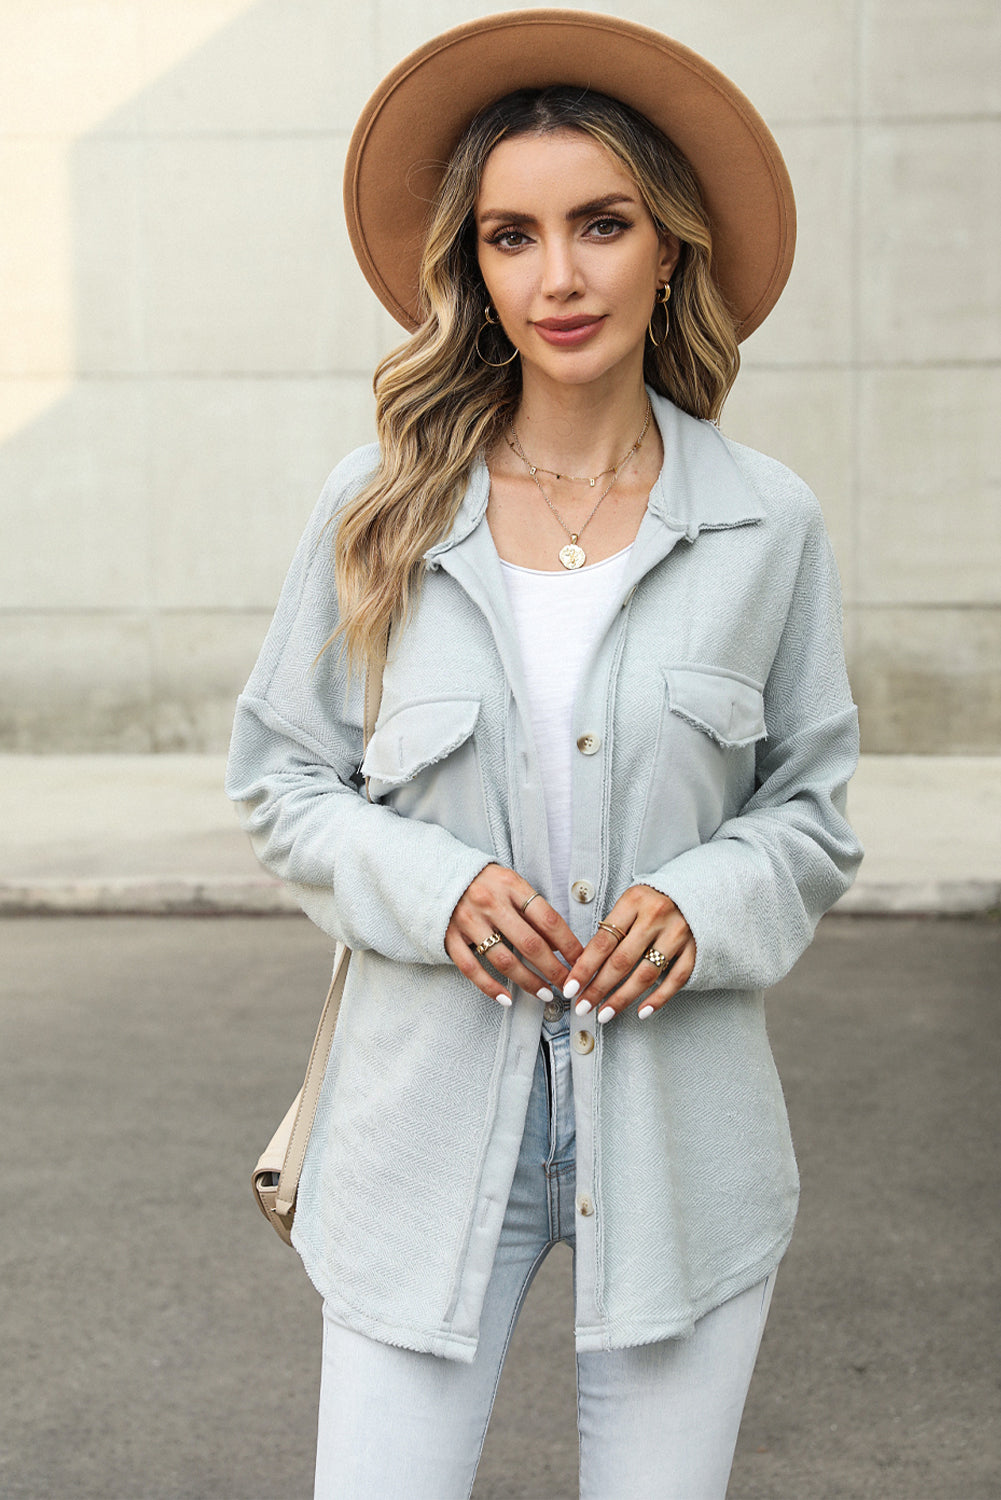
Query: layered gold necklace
572	555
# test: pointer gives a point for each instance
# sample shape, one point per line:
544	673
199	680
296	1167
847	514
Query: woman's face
570	255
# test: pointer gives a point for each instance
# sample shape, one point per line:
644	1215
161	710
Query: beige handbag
276	1176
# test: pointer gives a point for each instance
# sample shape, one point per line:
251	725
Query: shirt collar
699	487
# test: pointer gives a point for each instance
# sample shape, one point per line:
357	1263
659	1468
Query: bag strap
302	1127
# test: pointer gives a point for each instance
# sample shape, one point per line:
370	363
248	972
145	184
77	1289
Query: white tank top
559	618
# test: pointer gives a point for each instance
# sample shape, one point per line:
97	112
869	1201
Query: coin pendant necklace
572	555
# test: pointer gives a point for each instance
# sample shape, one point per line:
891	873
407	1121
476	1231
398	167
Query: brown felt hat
416	116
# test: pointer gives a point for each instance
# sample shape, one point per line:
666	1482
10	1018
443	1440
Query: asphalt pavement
159	1343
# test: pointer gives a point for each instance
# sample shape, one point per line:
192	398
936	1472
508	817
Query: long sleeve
362	873
754	892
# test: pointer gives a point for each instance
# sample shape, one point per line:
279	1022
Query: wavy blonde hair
438	405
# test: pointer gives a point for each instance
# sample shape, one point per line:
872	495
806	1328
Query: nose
561	275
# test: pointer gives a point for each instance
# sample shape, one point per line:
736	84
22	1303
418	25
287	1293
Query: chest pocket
422	761
702	770
729	709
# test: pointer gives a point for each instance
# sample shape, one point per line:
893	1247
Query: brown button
582	891
583	1042
585	1204
589	744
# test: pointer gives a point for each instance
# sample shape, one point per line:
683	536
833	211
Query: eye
508	239
606	228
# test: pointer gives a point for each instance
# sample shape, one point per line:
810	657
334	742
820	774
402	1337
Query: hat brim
415	118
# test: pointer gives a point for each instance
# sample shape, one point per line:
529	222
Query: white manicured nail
570	988
503	998
606	1013
544	994
644	1011
582	1007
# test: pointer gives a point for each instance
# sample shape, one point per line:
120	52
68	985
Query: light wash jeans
658	1422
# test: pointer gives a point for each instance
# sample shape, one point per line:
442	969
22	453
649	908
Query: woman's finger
677	978
644	973
620	970
677	971
615	963
510	964
515	931
536	946
546	921
467	963
501	900
626	966
533	947
526	918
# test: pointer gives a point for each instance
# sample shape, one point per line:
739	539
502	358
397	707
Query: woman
608	771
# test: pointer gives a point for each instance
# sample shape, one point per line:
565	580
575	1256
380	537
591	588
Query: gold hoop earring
663	298
491	322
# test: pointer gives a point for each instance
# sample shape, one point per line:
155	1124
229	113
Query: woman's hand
500	901
647	921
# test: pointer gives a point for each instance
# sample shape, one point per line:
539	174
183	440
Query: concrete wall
186	344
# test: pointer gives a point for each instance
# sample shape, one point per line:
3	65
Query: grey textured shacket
727	735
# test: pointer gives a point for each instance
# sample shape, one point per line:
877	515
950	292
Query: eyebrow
581	211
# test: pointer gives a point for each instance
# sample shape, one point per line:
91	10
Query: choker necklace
573	556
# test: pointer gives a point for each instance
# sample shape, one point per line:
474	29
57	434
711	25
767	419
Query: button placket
588	855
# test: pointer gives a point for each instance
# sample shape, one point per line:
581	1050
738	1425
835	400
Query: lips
568	333
566	325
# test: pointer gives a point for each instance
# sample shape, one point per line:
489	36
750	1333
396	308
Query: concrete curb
155	896
193	895
154	835
934	898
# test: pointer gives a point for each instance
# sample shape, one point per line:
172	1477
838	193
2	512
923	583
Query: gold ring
526	904
616	932
655	957
489	942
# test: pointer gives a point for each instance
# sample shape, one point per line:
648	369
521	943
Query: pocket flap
731	710
416	737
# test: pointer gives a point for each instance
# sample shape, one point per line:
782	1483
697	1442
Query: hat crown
415	118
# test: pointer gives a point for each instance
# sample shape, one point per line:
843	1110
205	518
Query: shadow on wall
161	469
